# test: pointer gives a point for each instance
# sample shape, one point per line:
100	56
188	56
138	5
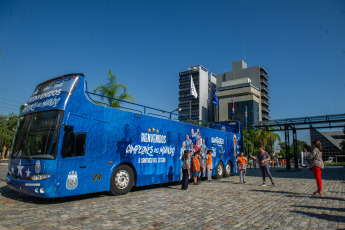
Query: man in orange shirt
196	168
241	166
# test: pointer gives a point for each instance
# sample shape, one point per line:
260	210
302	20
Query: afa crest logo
38	166
72	180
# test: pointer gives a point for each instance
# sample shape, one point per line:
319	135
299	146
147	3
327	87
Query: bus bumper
40	188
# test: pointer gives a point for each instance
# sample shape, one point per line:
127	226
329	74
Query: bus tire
122	180
219	170
228	169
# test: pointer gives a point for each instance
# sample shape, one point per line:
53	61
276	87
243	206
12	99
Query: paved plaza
223	204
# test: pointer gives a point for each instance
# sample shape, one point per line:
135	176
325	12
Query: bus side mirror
68	128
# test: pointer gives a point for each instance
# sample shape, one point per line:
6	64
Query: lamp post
178	109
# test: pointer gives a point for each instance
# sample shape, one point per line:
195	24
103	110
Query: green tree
266	139
113	89
250	141
300	146
282	149
8	126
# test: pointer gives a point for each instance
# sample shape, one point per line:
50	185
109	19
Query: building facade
246	86
330	142
200	108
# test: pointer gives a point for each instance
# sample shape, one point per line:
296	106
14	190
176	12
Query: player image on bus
68	144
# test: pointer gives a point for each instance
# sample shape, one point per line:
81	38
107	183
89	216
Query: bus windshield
37	135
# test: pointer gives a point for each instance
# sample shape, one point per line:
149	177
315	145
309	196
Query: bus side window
73	144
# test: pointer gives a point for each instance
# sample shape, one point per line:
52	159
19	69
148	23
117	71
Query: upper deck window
51	94
54	88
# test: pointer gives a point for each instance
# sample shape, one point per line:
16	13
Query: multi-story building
200	108
246	86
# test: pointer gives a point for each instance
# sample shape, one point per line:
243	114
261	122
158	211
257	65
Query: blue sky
147	43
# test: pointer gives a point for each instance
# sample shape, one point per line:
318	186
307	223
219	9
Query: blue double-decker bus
68	143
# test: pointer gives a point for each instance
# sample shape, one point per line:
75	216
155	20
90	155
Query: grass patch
334	163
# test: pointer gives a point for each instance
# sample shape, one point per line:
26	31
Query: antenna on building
244	48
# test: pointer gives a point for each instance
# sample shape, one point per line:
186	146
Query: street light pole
178	109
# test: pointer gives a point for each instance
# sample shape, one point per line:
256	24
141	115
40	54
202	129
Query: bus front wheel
121	180
220	170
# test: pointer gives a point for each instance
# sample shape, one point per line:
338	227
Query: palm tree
113	89
266	137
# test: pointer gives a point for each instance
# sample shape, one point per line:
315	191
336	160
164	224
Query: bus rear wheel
121	180
228	169
220	170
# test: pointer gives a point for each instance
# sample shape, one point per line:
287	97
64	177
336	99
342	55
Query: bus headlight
40	176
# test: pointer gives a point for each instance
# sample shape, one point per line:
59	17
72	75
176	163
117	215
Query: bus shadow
155	186
6	192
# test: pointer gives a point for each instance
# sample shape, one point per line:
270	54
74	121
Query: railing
266	116
264	88
142	109
265	95
262	73
265	102
187	77
264	82
266	109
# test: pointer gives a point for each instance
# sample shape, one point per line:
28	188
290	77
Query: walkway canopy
286	125
316	122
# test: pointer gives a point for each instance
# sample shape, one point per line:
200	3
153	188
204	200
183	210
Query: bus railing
142	109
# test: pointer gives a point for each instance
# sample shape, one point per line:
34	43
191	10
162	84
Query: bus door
72	177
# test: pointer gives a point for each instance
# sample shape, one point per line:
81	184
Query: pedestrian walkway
221	204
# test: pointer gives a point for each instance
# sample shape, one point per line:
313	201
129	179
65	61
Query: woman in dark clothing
264	159
185	169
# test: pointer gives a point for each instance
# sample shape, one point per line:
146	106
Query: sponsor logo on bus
217	140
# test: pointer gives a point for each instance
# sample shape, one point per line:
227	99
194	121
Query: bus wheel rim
228	169
220	170
122	179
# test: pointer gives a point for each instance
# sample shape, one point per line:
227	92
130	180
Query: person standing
264	159
191	154
316	164
185	170
241	166
209	165
182	149
196	168
181	154
201	162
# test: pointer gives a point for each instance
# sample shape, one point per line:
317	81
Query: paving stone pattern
221	204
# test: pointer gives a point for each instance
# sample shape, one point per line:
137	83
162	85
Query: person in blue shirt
195	135
182	149
188	142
